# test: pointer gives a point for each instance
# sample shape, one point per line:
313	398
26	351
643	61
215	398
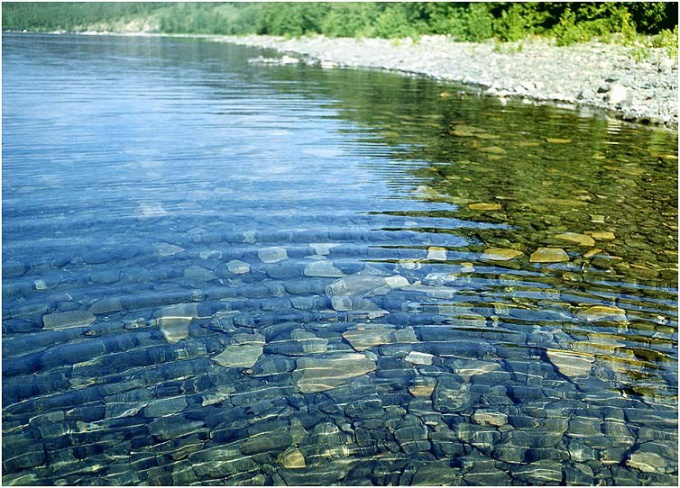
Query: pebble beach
614	79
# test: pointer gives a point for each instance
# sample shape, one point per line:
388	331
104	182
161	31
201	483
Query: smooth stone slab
602	235
292	458
571	364
174	320
436	254
239	355
67	320
423	386
107	305
322	249
358	285
165	406
322	269
269	255
549	255
421	358
500	254
267	442
603	312
573	237
485	206
310	343
238	267
315	374
365	336
489	417
650	462
164	249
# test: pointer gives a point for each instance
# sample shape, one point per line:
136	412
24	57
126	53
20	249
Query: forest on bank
567	22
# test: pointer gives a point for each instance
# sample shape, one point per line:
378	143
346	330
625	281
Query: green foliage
467	21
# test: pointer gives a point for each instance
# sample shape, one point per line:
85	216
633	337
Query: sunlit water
218	272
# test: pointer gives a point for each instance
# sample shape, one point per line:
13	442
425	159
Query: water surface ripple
219	272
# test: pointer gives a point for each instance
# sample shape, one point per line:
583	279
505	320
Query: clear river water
223	272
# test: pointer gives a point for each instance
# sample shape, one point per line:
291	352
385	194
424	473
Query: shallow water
218	272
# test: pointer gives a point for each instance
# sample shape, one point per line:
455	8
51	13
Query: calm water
217	272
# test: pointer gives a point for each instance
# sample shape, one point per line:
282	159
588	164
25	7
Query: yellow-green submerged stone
500	254
549	255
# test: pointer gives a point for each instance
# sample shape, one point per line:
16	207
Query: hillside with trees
567	22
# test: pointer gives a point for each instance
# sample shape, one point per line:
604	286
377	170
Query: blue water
221	272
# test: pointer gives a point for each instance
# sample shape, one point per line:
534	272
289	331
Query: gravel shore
594	74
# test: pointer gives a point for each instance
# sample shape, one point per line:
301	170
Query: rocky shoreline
593	75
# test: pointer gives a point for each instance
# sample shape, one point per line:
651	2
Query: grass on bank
642	25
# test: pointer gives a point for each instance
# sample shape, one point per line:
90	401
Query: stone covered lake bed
230	272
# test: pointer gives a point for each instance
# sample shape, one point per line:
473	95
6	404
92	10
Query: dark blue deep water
222	272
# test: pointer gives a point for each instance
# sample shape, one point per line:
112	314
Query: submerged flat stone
500	254
436	254
549	255
238	267
292	458
322	249
421	358
174	320
164	249
573	237
603	312
270	255
67	320
322	269
485	206
365	336
315	374
240	355
571	364
602	235
422	386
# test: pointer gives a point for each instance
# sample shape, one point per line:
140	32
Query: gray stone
67	320
275	442
165	406
365	336
322	269
238	267
239	355
539	473
450	396
270	255
653	458
315	374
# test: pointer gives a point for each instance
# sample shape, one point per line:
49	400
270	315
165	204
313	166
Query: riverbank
603	76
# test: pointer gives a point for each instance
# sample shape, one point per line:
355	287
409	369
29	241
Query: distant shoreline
600	76
594	75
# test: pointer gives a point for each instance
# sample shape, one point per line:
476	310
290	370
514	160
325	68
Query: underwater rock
164	249
269	255
238	267
315	374
500	254
647	458
602	312
365	336
291	458
240	355
436	253
573	237
421	358
485	206
67	320
548	255
322	269
570	363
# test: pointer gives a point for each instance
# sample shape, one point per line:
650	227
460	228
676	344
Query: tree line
568	22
